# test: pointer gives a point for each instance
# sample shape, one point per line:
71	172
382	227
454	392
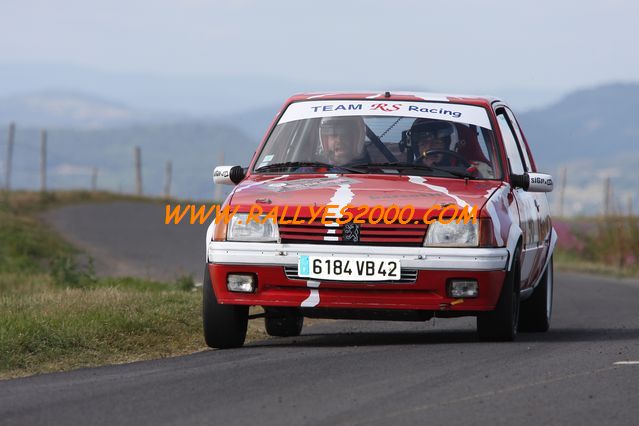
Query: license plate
349	268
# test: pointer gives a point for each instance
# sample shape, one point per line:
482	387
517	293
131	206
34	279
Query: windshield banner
467	114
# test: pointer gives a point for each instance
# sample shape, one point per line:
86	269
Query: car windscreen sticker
467	114
267	159
306	184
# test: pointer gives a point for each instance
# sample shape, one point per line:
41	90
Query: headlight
452	234
239	230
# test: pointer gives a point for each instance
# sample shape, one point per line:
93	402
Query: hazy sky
474	46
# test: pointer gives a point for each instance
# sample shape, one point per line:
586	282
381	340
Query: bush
611	241
185	283
66	273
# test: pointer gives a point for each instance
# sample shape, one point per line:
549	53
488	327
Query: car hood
358	189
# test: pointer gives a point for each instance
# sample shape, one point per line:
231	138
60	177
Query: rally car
413	152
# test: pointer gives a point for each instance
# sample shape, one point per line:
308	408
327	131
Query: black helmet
424	128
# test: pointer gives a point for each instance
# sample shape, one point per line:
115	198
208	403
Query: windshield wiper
297	164
399	165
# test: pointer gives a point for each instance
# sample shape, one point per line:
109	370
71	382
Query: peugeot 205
346	212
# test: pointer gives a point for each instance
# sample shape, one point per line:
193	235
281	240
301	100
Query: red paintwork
429	291
371	190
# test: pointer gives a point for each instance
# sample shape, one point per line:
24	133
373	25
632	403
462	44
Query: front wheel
224	325
537	310
501	324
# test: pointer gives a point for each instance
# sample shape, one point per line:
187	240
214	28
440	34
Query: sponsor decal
403	196
467	114
338	107
311	183
386	107
541	181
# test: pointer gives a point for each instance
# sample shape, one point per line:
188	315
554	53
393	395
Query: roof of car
398	96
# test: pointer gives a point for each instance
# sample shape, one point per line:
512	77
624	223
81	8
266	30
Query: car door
526	203
540	200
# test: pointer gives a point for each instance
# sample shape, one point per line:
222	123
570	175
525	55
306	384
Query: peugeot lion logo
351	232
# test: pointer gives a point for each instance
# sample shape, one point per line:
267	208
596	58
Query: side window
524	152
510	143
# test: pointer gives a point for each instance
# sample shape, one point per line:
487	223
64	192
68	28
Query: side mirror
228	175
533	182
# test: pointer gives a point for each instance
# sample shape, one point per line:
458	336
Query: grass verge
602	245
45	327
56	315
570	262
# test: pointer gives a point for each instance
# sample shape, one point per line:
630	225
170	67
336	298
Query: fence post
43	160
94	179
138	171
168	176
562	192
607	197
7	178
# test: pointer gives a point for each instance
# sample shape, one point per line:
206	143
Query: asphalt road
349	372
130	238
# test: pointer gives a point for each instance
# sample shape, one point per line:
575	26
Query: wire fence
575	194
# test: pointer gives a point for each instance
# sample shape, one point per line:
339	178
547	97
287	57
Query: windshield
416	138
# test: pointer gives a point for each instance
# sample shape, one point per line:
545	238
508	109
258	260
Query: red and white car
384	149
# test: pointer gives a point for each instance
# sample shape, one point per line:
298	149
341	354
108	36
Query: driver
342	140
428	135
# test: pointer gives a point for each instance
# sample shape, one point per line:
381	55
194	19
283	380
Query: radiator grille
409	235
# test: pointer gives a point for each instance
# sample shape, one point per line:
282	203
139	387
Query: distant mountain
208	94
595	134
70	109
590	123
197	94
253	122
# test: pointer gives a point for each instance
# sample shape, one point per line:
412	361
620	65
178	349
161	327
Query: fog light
463	288
243	283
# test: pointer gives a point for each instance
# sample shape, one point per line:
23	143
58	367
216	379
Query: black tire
282	322
537	310
500	325
224	325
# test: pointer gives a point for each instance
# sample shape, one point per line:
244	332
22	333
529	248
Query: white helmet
351	130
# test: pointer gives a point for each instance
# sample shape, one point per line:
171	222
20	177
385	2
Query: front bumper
434	267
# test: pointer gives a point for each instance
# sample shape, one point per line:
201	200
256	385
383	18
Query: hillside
193	147
193	94
73	109
591	123
594	133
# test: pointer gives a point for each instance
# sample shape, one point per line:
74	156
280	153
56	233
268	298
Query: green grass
47	328
26	245
571	261
56	315
26	202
